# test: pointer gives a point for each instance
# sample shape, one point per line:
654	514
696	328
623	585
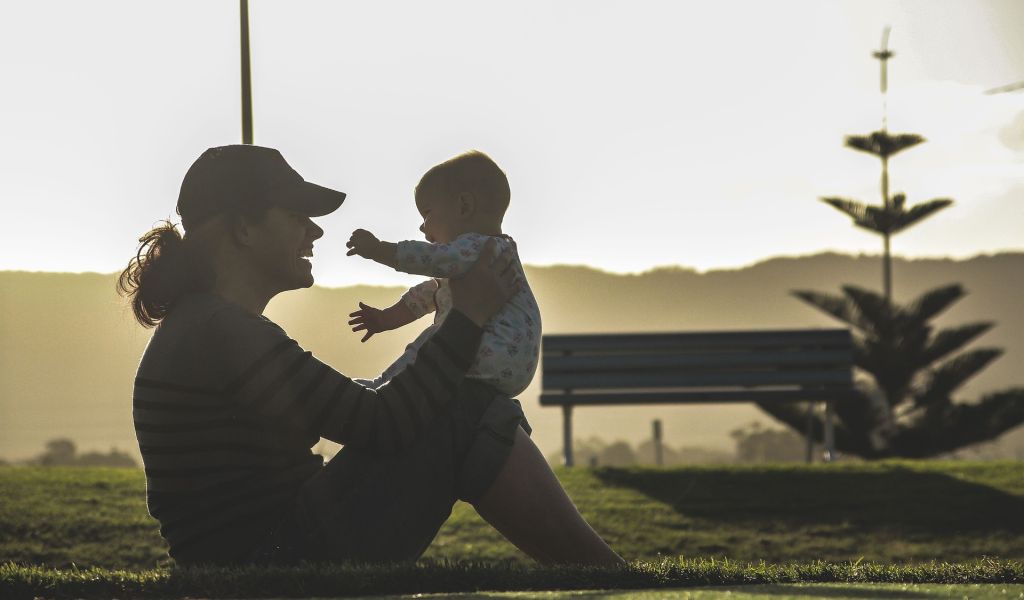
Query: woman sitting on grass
227	407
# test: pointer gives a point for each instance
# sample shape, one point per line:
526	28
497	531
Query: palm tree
911	412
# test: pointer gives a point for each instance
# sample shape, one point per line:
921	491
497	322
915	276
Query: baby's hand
363	243
370	319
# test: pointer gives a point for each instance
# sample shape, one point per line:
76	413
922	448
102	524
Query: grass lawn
782	591
894	529
680	579
890	512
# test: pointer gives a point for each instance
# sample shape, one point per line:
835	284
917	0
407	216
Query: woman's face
280	247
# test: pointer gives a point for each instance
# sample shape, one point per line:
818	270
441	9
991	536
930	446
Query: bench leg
809	456
830	442
567	433
658	454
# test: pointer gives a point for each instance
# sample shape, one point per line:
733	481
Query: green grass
777	591
86	516
19	582
891	512
886	512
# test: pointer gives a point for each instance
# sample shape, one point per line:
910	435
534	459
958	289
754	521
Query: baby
462	202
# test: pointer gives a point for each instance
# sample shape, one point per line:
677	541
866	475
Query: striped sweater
227	408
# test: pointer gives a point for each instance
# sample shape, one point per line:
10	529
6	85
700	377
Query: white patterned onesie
509	349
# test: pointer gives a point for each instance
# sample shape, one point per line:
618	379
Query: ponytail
166	267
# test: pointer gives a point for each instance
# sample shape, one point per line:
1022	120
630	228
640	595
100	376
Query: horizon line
655	268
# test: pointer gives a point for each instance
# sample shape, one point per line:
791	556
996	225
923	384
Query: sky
635	134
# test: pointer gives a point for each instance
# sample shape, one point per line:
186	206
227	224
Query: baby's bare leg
529	507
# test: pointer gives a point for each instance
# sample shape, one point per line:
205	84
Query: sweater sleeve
450	260
269	374
420	298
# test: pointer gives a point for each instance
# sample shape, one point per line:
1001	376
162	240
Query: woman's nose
422	230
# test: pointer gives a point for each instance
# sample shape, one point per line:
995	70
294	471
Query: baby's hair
472	172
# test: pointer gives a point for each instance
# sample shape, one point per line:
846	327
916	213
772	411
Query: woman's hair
166	267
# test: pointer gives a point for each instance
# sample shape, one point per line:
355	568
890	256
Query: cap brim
313	200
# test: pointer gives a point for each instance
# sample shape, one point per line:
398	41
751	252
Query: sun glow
633	135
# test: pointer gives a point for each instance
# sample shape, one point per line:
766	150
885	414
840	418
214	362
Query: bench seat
785	365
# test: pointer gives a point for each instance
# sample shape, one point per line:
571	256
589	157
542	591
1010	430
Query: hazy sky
634	133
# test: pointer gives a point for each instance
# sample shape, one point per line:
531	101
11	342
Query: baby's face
442	222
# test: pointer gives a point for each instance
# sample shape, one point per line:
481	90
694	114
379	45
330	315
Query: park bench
803	365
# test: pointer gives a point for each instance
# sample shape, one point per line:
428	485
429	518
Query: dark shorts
362	507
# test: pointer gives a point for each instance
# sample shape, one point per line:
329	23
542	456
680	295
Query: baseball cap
239	178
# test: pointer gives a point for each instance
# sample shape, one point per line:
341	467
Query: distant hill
69	347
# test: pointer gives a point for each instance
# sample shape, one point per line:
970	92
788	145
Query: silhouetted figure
227	407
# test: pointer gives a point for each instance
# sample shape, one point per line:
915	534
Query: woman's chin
304	274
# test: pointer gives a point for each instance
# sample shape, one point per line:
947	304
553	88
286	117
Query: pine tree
893	215
907	410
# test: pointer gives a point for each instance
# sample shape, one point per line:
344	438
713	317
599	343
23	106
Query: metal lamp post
246	77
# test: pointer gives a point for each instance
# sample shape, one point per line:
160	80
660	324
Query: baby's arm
421	258
450	260
374	320
415	303
367	245
420	298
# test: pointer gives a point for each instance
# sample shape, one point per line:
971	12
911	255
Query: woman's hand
487	286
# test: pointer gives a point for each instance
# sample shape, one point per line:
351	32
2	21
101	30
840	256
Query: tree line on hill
62	452
754	443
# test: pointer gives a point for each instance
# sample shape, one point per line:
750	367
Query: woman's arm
269	374
275	378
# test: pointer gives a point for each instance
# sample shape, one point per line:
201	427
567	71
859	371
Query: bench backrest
719	366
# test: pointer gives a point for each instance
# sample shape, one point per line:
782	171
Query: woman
227	407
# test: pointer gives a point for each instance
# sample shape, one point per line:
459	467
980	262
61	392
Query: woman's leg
363	507
366	507
374	508
528	505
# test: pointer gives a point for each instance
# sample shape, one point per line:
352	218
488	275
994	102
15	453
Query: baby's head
465	194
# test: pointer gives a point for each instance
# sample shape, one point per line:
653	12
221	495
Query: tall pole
883	55
246	77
